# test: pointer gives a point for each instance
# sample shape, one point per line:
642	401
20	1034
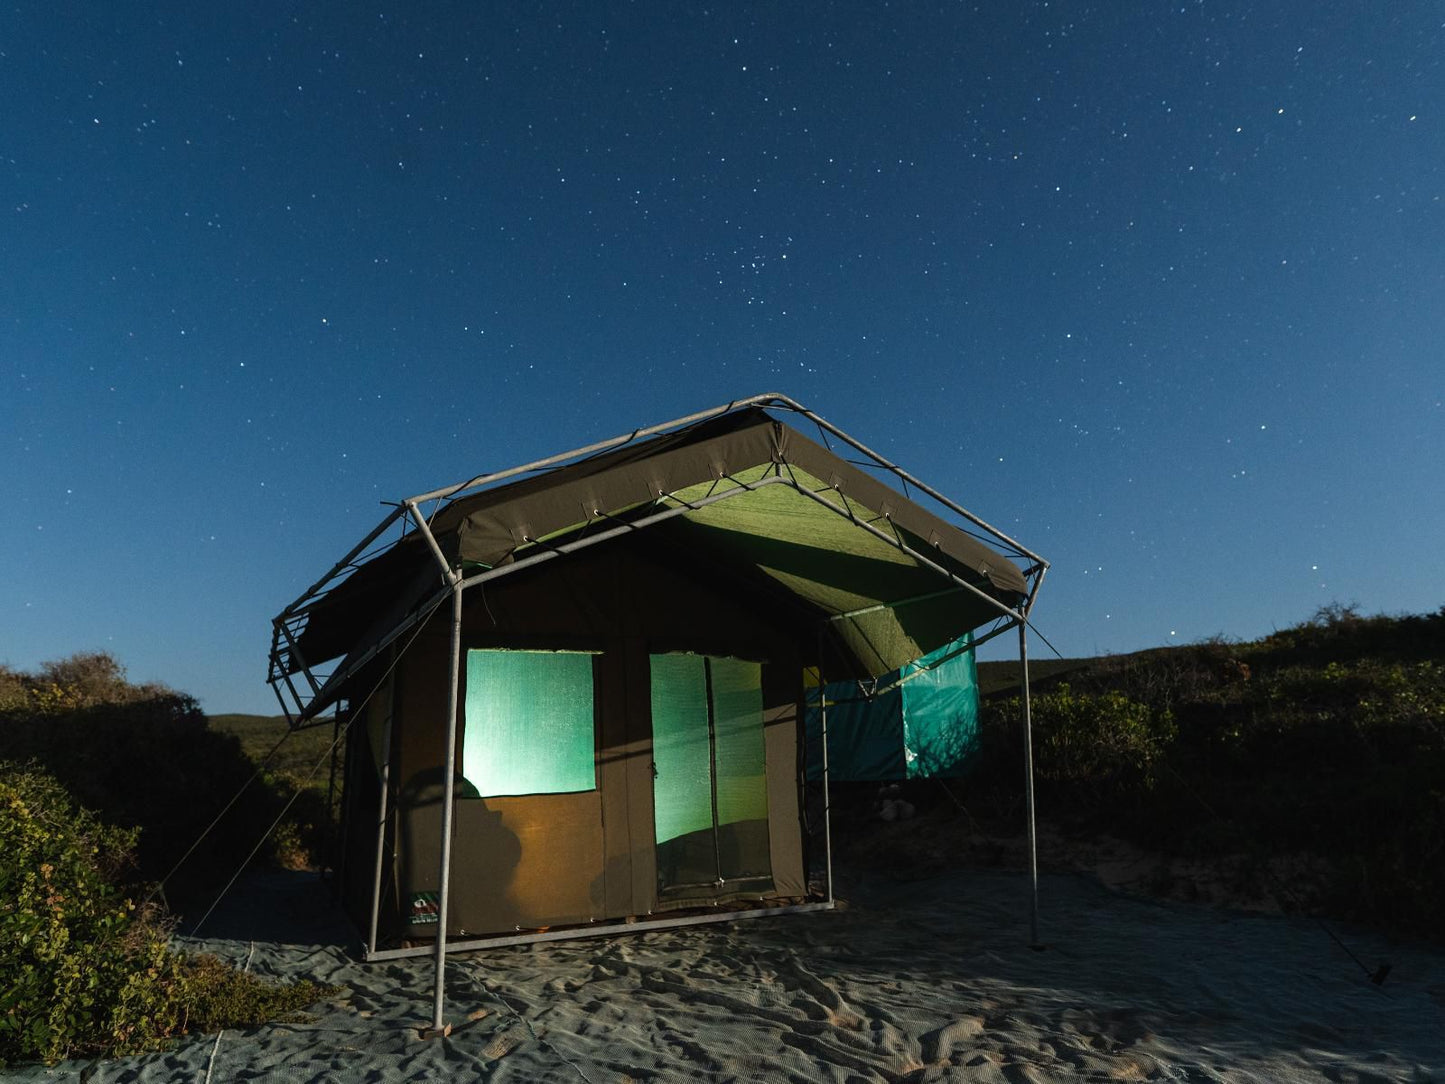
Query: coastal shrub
1103	741
84	970
1319	746
1339	632
14	692
300	836
216	995
144	756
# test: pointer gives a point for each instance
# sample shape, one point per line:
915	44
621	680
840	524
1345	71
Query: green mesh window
682	788
688	760
742	785
529	723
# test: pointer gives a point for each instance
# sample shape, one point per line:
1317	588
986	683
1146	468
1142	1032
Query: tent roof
741	490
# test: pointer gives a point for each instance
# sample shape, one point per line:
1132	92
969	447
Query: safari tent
572	695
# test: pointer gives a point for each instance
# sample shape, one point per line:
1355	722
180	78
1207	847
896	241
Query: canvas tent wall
697	565
585	767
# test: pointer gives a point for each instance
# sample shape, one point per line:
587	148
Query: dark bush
1323	743
84	970
1337	633
145	757
1104	740
217	995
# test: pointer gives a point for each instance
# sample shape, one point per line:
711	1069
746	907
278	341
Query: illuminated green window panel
689	760
682	786
530	723
737	696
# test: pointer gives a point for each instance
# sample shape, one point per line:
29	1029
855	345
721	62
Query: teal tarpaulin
923	723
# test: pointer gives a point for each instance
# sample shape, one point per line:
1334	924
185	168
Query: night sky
1159	289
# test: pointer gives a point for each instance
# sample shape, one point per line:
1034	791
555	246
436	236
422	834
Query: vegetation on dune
1319	747
85	968
81	967
146	758
297	757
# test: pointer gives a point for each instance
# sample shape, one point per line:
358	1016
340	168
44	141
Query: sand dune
931	980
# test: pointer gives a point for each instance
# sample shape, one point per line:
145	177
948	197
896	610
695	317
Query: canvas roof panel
802	530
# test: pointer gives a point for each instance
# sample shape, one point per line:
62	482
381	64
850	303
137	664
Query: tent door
710	796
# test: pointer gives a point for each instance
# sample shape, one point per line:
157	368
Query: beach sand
911	981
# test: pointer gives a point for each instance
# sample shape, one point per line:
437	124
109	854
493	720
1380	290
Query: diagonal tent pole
448	795
453	578
899	472
381	820
280	631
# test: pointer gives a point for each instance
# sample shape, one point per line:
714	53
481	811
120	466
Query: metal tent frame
303	706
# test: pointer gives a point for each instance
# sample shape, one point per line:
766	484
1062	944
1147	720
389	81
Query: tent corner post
438	1028
329	845
1034	942
381	820
827	794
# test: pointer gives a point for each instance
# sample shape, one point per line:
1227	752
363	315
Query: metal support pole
1029	787
827	796
382	816
328	847
448	794
712	769
347	801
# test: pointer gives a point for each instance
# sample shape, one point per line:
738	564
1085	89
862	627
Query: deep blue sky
1159	289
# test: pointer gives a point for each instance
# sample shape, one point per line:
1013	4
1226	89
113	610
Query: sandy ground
921	981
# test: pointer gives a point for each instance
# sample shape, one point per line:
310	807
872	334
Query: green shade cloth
865	737
940	711
529	723
923	725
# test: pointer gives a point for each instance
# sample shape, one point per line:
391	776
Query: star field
1159	290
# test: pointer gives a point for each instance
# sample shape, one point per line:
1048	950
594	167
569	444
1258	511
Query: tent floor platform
639	924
